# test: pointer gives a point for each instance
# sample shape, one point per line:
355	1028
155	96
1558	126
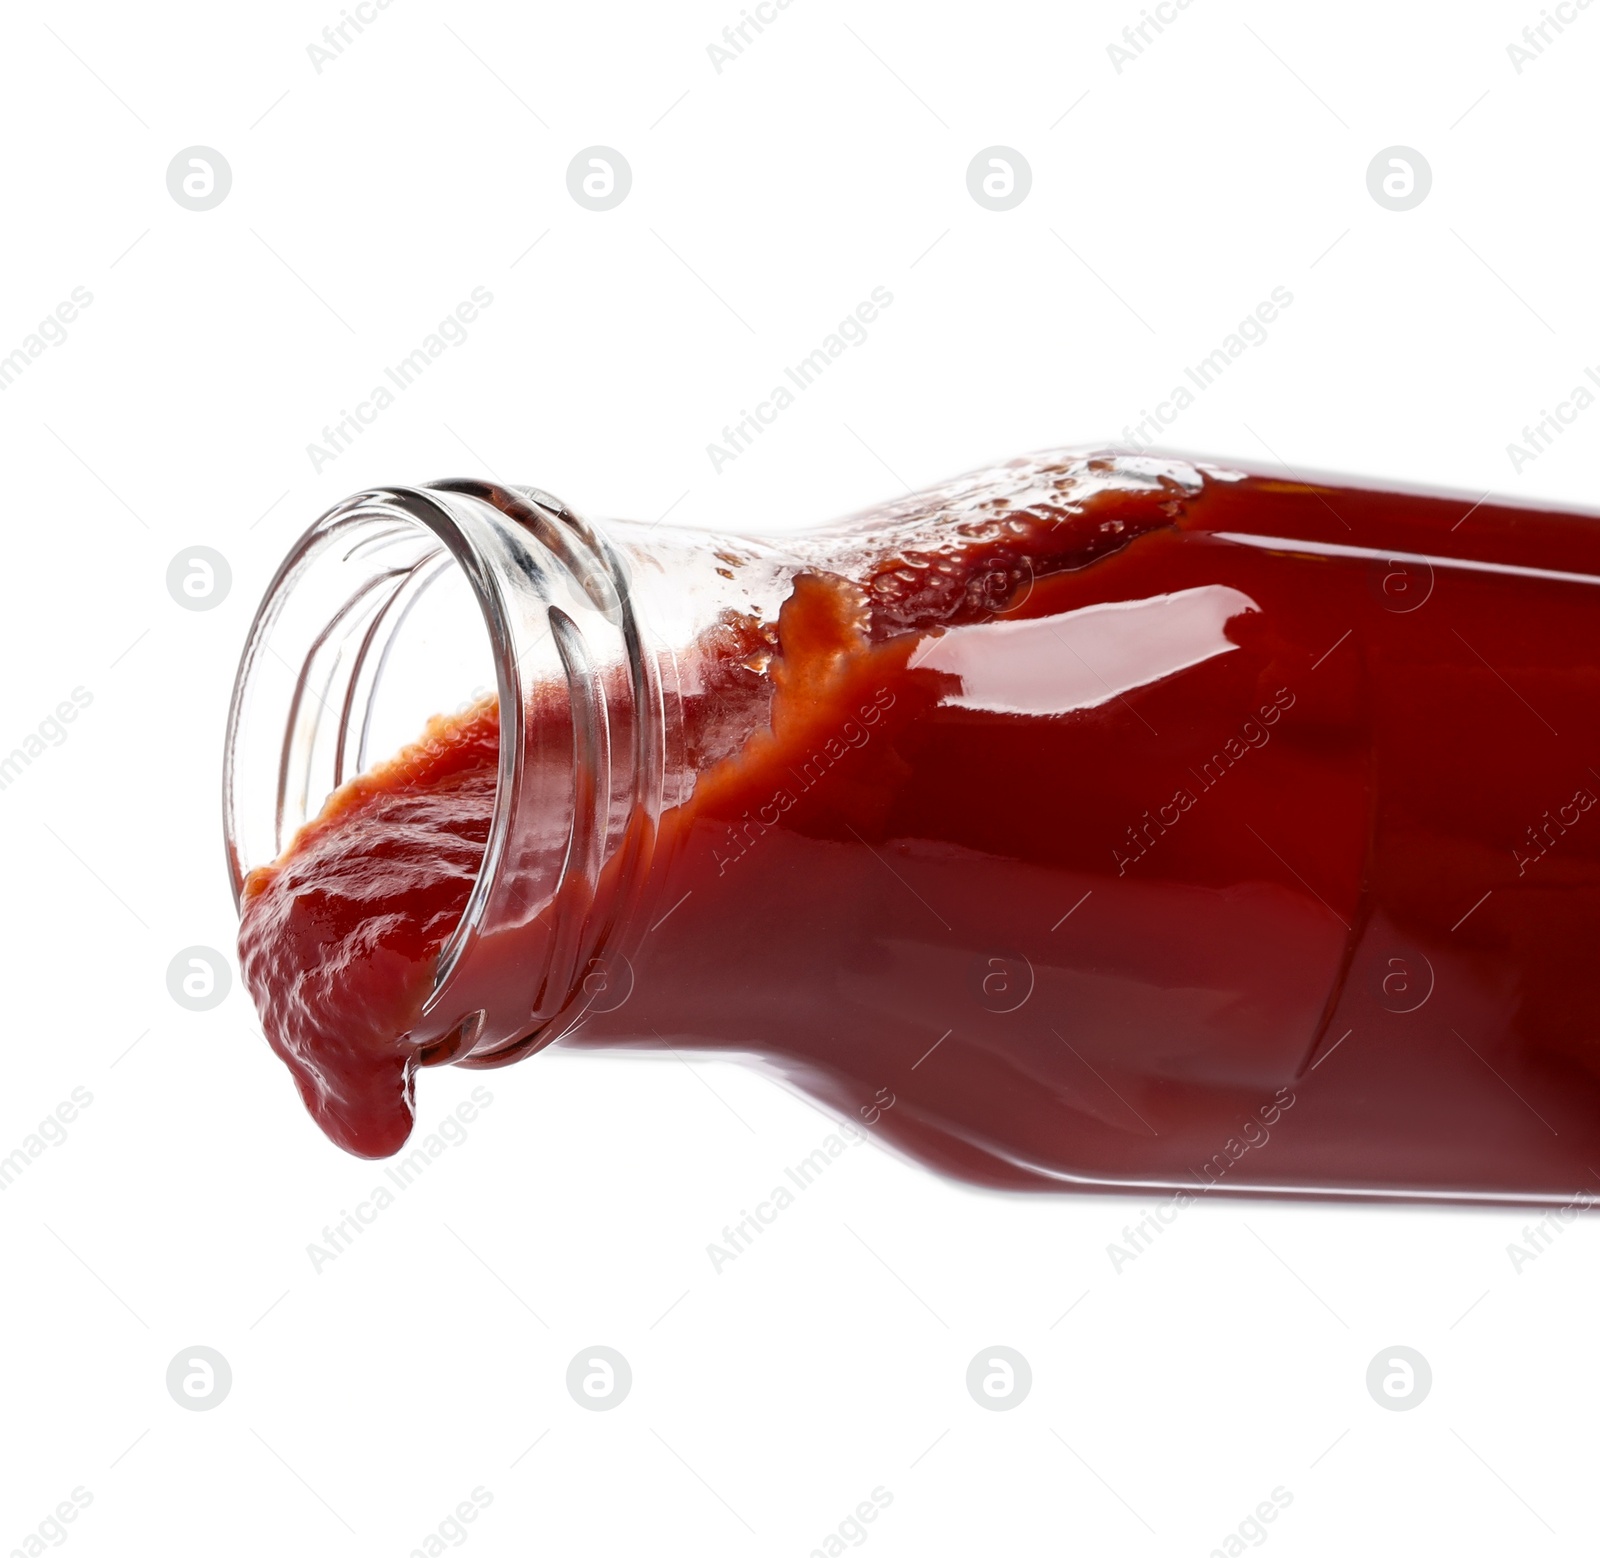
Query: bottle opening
371	630
462	602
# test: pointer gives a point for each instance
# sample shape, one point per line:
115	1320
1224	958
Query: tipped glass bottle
1092	820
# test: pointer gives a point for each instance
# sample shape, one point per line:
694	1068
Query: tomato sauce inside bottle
1230	832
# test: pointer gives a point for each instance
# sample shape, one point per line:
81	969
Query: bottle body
1240	840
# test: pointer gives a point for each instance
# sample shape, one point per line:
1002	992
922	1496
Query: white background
768	200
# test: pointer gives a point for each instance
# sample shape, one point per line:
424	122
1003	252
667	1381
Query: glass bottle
1093	820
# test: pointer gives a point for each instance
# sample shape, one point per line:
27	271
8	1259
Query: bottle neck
402	602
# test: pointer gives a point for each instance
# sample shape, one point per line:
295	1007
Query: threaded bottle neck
403	602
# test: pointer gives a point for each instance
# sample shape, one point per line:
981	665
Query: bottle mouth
401	604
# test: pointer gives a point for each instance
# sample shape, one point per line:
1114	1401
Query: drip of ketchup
1238	832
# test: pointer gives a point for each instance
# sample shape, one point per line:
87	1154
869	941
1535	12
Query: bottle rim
542	578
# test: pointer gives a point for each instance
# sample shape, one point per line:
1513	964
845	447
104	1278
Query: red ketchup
1093	821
